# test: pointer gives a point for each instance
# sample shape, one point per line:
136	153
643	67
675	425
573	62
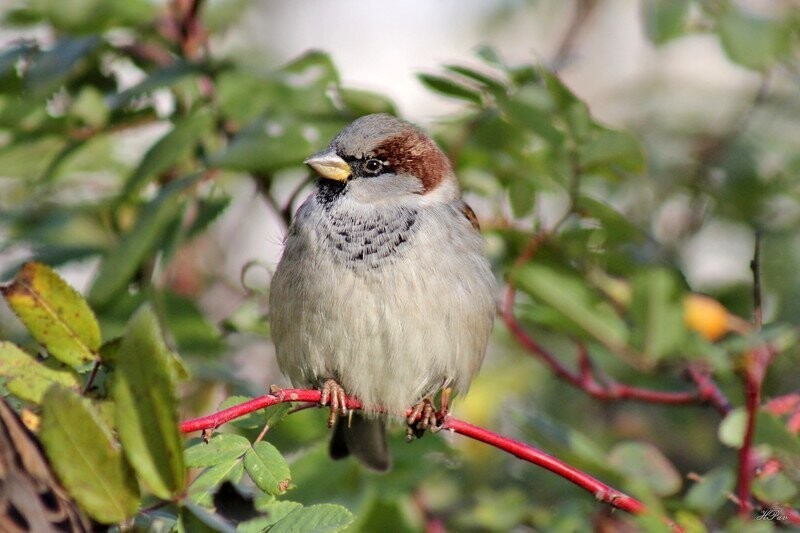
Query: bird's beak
330	166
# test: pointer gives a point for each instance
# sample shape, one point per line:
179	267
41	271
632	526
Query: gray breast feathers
360	240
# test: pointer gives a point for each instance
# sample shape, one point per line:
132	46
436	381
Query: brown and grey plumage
383	286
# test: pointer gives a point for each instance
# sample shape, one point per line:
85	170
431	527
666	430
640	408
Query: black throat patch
328	191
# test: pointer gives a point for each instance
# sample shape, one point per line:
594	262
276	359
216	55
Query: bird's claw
333	395
423	416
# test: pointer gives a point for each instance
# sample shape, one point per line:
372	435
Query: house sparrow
383	290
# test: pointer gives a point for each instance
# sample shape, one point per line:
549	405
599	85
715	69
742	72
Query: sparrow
383	291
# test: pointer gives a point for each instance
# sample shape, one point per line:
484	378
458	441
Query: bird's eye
373	166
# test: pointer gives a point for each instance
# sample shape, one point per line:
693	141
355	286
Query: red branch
585	378
219	418
708	391
600	490
753	371
755	368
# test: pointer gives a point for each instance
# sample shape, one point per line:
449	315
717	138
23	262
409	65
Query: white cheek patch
446	191
384	188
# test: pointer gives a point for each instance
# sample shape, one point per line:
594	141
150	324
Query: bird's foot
424	416
333	395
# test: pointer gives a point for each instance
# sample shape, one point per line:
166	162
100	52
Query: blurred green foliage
106	376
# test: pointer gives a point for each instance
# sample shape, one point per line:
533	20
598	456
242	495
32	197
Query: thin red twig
745	477
755	368
600	490
584	378
753	371
708	391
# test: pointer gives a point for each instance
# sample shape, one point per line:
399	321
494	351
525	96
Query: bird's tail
363	437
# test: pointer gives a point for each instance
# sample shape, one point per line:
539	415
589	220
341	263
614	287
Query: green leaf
772	431
487	81
275	511
657	308
208	210
738	524
201	491
30	158
561	94
170	149
708	494
53	67
573	300
617	225
608	150
222	448
121	263
278	509
579	121
522	197
243	95
195	519
753	42
28	378
11	55
317	63
190	329
218	17
449	87
524	75
665	20
55	314
21	17
93	16
646	464
88	462
690	522
165	77
267	468
90	107
774	488
322	518
534	119
731	429
145	406
489	55
271	144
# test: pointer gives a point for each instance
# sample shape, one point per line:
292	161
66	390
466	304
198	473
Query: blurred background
652	139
